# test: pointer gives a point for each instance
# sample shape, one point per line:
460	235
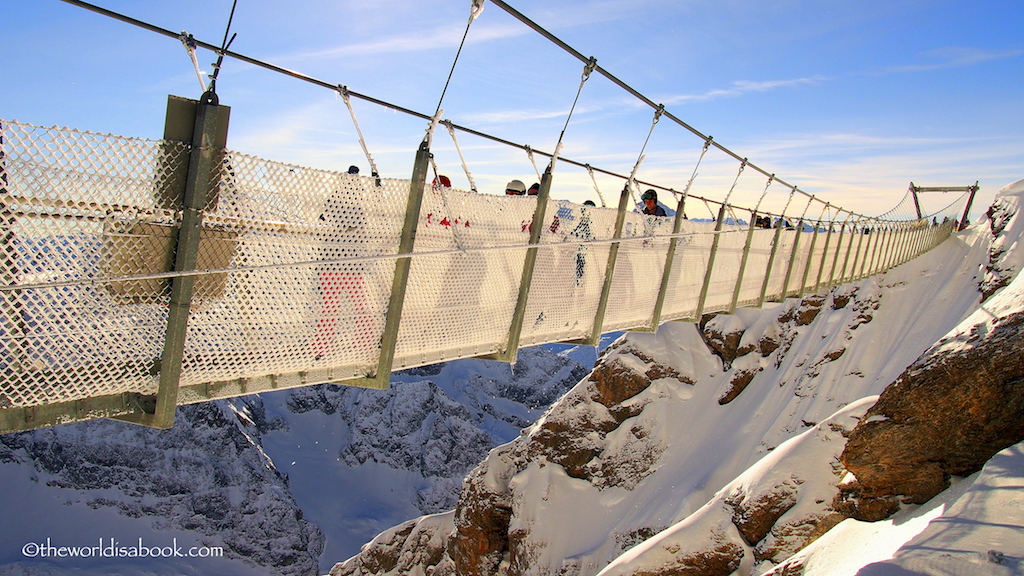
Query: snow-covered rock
711	449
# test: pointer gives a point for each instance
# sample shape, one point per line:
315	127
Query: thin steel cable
397	108
477	8
362	142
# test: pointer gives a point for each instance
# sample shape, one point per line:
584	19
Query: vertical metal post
670	257
792	259
832	280
529	263
901	244
872	262
743	262
869	253
613	254
711	262
849	249
918	239
857	253
406	244
807	266
967	209
824	256
771	263
201	166
888	249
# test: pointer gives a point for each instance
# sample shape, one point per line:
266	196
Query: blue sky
850	101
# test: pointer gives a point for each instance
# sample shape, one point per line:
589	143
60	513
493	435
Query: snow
974	527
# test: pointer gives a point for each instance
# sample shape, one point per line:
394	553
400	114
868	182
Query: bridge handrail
284	298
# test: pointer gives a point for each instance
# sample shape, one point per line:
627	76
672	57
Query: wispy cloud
741	87
411	42
445	36
956	57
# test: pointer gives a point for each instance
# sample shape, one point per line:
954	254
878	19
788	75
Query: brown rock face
481	523
946	415
572	436
754	519
721	560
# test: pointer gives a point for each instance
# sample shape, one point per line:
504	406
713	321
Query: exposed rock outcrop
972	399
967	391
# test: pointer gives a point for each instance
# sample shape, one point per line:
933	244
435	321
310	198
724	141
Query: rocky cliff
726	447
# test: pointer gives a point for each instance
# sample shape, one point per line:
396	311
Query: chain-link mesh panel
70	199
461	304
638	271
311	290
295	267
688	268
566	287
757	265
726	269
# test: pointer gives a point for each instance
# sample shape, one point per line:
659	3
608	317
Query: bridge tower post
208	135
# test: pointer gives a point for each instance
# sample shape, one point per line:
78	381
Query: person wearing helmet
534	190
515	188
651	207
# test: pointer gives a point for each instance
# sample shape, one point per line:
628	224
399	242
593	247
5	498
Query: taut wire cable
362	142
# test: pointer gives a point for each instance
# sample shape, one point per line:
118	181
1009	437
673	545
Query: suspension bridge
139	275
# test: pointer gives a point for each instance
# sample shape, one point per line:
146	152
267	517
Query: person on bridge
534	189
515	188
583	232
341	282
651	207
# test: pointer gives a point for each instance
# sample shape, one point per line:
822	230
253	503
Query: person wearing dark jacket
651	207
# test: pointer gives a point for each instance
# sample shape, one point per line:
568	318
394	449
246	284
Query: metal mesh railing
296	265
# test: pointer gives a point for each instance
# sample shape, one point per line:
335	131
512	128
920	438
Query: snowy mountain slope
666	421
359	461
257	474
206	482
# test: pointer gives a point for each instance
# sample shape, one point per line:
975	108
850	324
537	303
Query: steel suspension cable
223	51
477	8
540	30
362	142
465	167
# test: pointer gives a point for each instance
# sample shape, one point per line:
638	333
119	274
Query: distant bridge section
139	275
